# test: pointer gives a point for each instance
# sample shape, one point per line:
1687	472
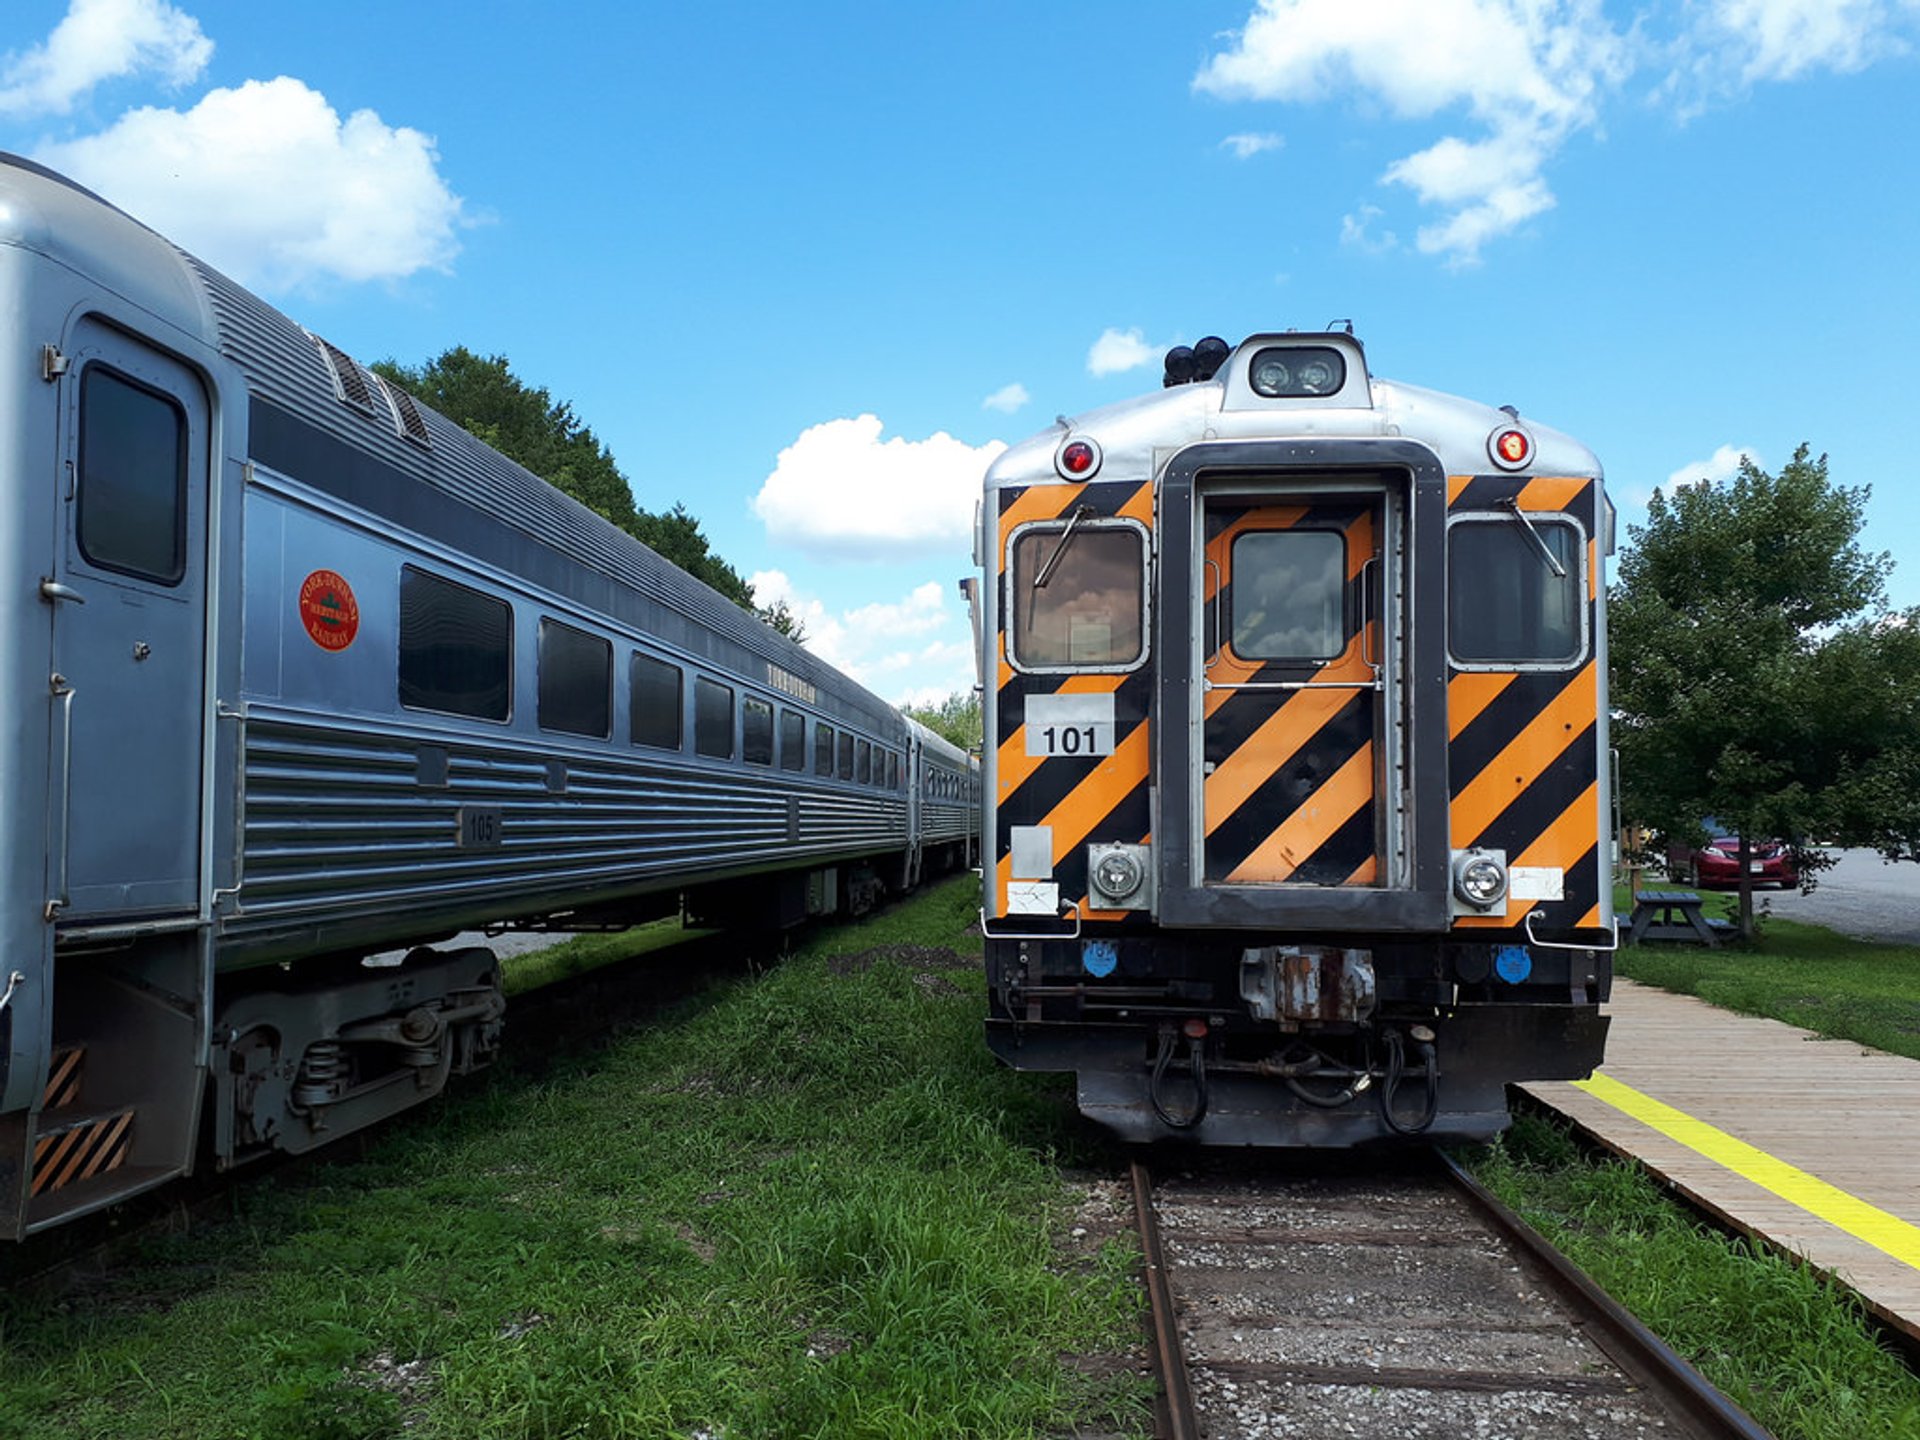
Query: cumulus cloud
267	182
1722	465
904	650
100	40
1007	399
1119	350
1528	73
842	490
1246	145
1524	76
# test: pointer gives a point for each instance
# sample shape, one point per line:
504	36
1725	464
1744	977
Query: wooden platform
1813	1144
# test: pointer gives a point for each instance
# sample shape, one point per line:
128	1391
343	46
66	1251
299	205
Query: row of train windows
1515	593
456	658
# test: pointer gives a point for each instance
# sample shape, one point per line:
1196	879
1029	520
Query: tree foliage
1758	676
525	423
956	718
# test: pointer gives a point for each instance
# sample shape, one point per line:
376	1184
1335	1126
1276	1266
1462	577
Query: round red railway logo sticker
328	610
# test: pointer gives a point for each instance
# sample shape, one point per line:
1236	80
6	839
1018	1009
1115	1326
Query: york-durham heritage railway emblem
328	610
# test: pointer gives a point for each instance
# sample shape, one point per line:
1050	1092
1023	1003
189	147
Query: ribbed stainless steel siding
284	366
336	821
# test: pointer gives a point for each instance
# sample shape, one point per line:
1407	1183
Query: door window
133	478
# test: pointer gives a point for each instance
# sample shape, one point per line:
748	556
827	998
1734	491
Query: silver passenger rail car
296	671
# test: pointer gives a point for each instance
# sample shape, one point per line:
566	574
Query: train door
1292	689
1303	645
129	633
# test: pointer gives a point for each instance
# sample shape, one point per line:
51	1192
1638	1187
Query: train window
793	740
846	756
863	762
456	648
1288	597
712	718
1078	599
654	690
822	749
893	770
576	681
756	731
1505	604
133	478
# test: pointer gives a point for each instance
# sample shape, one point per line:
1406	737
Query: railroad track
1404	1302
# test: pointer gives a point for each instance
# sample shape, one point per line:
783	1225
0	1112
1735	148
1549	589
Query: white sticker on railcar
1031	848
1070	725
1537	882
1033	897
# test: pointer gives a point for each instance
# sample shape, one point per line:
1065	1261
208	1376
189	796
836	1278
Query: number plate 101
1069	725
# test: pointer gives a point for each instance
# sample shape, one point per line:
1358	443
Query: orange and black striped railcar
1296	715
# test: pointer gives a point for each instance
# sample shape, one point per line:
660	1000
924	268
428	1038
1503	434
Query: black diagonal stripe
1483	492
1535	809
1010	708
1126	823
1500	724
1580	894
1290	786
1344	852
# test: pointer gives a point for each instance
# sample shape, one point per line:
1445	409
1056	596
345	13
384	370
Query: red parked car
1718	862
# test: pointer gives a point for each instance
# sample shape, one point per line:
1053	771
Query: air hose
1196	1056
1396	1072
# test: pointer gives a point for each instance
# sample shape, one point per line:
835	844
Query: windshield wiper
1512	503
1080	512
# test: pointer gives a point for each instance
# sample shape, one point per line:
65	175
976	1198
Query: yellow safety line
1888	1233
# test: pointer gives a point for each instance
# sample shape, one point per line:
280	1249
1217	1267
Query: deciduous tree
1758	676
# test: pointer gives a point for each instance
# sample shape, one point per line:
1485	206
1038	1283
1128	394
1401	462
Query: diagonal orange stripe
1456	484
1139	505
1525	758
1281	736
1469	694
1551	494
1336	800
1092	800
1566	840
1039	502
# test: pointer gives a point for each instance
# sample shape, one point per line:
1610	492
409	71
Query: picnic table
1673	915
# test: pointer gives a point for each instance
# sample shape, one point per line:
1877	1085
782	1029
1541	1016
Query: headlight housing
1479	881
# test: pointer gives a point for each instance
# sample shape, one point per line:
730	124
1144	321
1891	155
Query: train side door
1293	689
129	604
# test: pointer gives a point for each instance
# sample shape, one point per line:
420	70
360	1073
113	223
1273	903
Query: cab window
1078	596
1506	606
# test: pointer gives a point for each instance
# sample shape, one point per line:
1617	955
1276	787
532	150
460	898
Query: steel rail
1644	1356
1177	1420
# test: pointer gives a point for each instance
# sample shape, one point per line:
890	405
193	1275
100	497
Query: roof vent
408	422
349	381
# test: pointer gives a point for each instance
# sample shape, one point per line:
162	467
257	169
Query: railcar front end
1296	794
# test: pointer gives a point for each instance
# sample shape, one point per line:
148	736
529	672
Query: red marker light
1511	448
1078	458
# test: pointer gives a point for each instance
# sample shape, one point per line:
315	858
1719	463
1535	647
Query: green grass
1792	1349
1802	974
808	1204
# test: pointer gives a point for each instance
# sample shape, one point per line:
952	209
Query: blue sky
805	268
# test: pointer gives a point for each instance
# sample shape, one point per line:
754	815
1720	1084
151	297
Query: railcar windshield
1505	604
1091	610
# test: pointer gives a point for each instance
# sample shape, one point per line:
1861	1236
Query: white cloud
1007	399
1526	76
101	40
1246	144
1356	230
840	489
1780	39
268	183
1119	350
1530	72
894	648
1722	465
